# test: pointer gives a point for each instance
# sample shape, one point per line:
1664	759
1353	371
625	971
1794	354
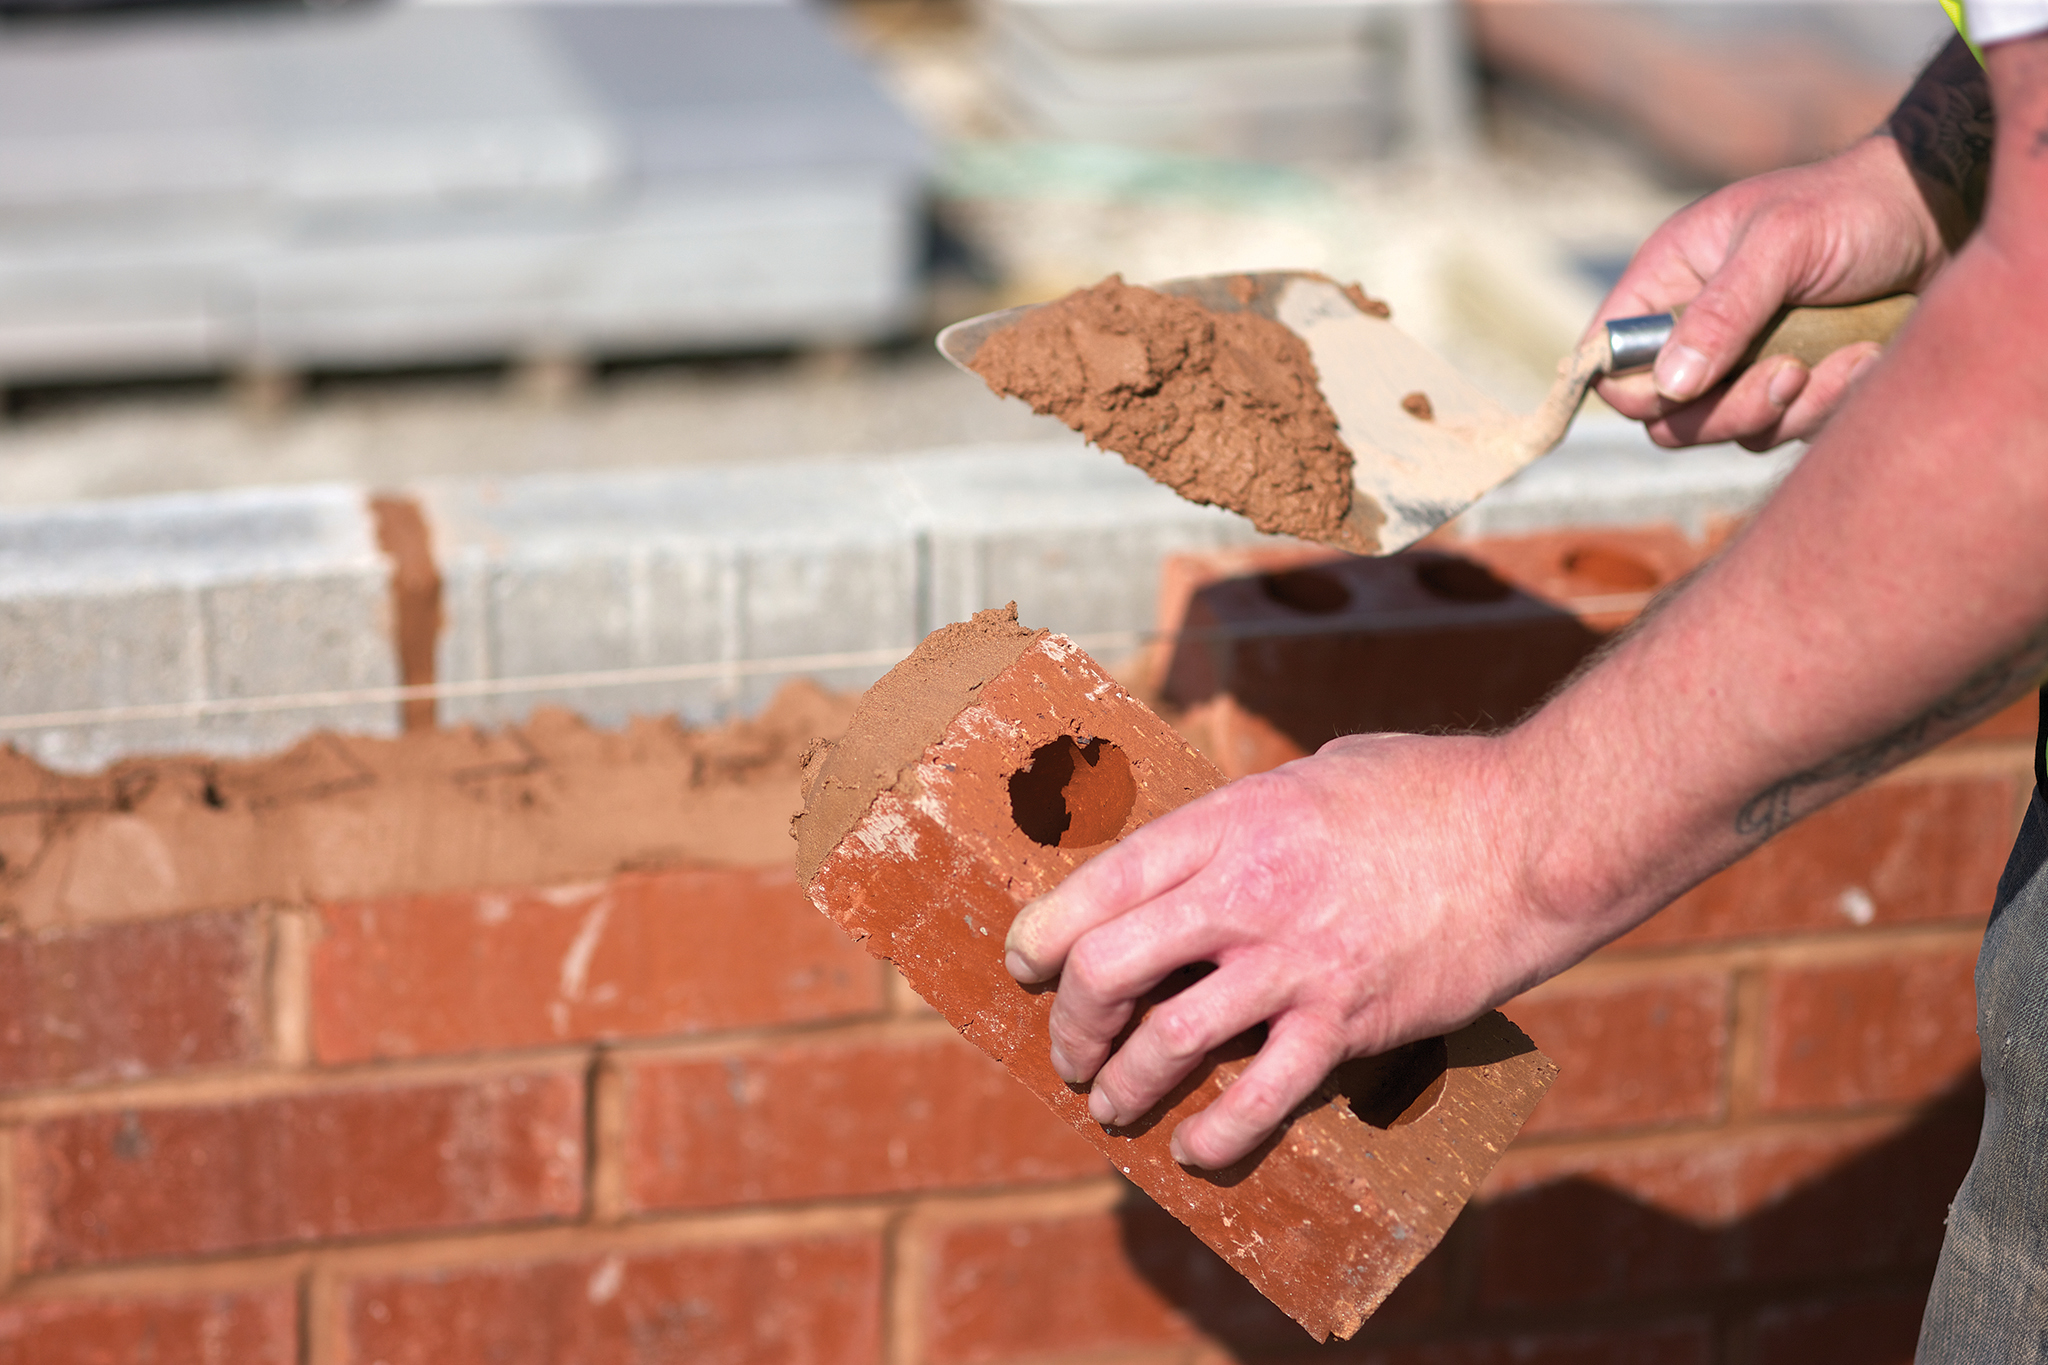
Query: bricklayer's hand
1841	231
1355	900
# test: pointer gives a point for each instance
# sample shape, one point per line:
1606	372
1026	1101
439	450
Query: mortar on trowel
979	773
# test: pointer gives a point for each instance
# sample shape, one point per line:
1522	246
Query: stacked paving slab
1290	80
394	184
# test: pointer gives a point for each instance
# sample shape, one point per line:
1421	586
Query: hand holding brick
976	777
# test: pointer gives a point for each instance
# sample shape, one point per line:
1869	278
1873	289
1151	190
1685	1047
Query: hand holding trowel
1423	443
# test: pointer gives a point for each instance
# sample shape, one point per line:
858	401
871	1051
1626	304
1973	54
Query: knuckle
1179	1035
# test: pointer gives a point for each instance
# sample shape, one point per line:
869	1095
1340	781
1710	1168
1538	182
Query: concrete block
1609	473
562	574
982	772
1072	534
192	598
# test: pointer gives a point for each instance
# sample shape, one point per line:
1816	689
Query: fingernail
1018	967
1178	1152
1101	1109
1786	384
1681	373
1063	1068
1863	366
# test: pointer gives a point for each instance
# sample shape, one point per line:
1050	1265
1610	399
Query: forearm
1944	129
1890	594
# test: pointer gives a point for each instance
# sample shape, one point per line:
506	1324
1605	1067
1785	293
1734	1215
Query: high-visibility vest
1962	23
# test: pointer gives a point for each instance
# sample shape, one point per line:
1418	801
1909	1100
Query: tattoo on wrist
1982	693
1944	127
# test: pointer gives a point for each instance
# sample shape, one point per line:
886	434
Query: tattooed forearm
1944	127
1982	693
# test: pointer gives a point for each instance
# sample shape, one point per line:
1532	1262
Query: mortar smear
1223	408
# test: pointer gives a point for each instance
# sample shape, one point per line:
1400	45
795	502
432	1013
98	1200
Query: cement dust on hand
1223	408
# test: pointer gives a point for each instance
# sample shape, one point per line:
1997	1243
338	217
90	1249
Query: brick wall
659	1110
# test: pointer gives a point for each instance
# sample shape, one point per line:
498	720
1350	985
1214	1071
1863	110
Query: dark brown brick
298	1169
125	1001
1282	651
827	1118
638	955
1678	1217
811	1301
1870	1329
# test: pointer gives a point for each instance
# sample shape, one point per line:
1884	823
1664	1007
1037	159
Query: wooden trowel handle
1813	334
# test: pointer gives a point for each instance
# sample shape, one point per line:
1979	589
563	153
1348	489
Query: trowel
1417	464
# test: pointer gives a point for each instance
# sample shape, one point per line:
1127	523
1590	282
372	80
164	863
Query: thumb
1734	306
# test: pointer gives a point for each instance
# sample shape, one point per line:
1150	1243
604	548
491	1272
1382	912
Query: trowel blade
1411	474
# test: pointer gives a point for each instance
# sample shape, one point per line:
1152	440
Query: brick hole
1609	570
1460	580
1395	1088
1070	795
1316	592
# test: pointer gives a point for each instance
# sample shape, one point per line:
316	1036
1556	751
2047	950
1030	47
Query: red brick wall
670	1115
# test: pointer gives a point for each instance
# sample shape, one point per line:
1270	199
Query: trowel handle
1810	334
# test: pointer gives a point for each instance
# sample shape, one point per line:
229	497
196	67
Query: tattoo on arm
1944	127
1980	694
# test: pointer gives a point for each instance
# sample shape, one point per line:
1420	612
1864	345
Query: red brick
123	1001
1638	1054
640	955
1124	1279
1869	1329
286	1170
1285	652
809	1302
836	1117
1651	1221
1918	850
1022	1288
2018	721
258	1327
1890	1030
928	873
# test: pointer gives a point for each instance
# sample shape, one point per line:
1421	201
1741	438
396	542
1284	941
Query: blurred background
255	242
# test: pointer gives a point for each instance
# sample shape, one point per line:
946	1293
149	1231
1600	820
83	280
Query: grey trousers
1989	1304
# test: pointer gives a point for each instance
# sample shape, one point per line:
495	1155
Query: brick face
124	1001
1890	1030
640	955
1677	1343
274	1172
811	1302
1917	850
836	1117
1016	1289
1630	1055
250	1328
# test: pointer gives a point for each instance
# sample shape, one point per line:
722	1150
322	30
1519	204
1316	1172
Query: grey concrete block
714	567
1609	473
1072	534
192	599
